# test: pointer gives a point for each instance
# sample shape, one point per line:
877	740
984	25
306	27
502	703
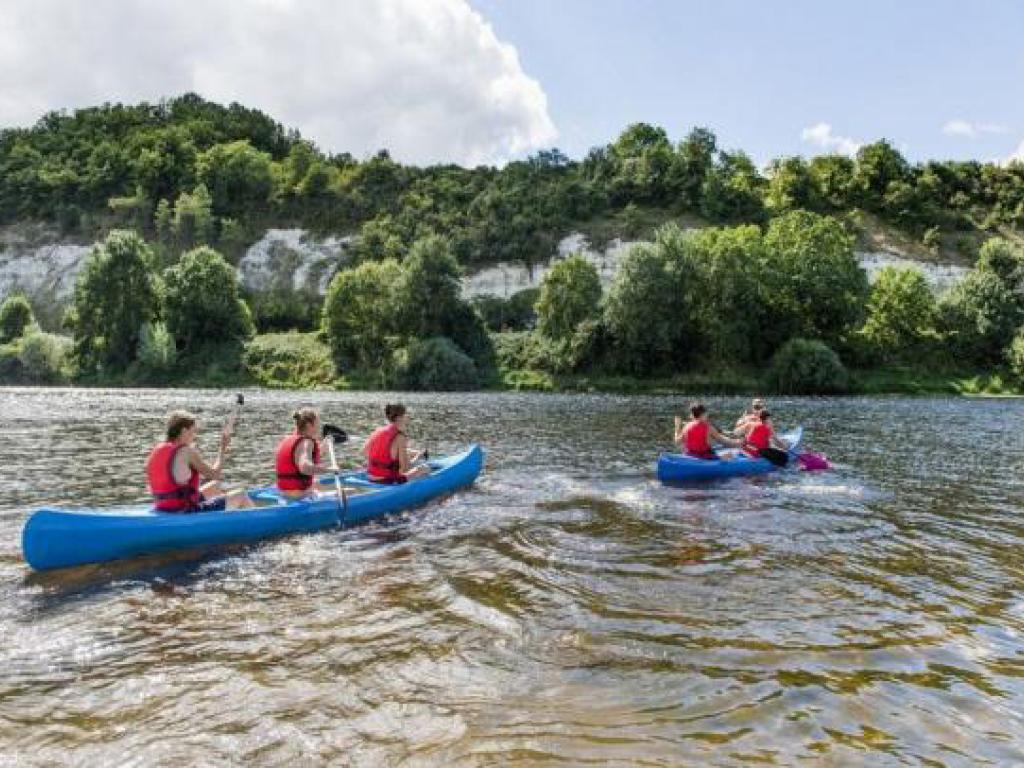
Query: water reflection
567	610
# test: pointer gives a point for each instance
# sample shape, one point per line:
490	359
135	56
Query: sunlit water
567	610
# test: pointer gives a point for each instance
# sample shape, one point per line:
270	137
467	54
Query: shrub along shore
780	309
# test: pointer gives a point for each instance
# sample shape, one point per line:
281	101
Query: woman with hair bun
297	460
388	459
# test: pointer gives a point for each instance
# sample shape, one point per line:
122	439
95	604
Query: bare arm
677	436
206	471
719	437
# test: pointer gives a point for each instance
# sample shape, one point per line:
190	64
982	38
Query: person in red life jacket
750	418
174	470
388	459
298	455
761	440
696	435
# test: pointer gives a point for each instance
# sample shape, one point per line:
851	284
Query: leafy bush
202	301
284	310
1015	356
569	295
806	367
434	365
44	358
10	365
157	352
15	317
517	313
292	360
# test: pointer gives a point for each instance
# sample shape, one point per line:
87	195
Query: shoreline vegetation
745	280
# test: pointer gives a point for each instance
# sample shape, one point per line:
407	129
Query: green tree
980	315
238	175
202	304
901	313
361	315
732	310
878	165
790	185
815	286
193	222
832	182
15	317
733	190
569	294
646	311
115	295
430	297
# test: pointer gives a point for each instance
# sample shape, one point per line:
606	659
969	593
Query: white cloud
971	130
821	135
427	79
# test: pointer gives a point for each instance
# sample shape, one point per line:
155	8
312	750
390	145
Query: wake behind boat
60	537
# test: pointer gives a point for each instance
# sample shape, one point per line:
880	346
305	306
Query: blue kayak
680	468
59	538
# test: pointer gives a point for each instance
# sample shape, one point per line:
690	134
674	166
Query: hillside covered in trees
768	287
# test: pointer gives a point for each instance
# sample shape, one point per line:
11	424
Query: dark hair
304	416
697	410
394	411
765	415
178	422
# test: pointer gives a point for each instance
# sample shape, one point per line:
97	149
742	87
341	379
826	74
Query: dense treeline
773	287
188	172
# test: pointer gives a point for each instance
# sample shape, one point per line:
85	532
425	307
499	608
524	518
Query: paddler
695	437
174	469
388	458
762	442
750	418
298	455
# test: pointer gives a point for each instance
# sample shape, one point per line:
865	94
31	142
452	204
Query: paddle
339	436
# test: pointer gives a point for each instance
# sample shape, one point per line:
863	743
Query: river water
568	610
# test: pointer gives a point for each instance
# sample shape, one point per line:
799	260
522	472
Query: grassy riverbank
302	361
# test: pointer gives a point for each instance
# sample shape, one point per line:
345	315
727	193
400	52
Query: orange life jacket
380	465
169	494
289	478
695	438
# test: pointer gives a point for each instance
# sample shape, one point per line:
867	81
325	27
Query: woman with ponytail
298	455
388	459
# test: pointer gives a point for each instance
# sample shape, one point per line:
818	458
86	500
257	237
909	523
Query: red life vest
170	495
380	465
289	478
695	438
759	438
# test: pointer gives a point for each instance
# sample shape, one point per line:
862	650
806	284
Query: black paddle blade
337	434
239	399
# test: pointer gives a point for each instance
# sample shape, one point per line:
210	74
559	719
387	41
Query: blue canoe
59	538
680	468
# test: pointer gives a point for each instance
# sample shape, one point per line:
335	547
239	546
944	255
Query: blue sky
759	72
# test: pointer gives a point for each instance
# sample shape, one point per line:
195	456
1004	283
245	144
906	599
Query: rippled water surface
567	610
